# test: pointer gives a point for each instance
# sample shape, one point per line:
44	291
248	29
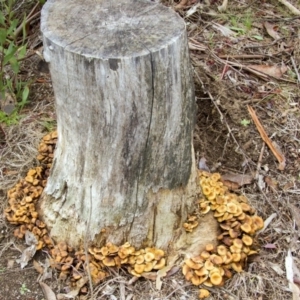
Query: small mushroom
193	265
215	278
160	264
203	293
247	240
209	247
237	267
109	261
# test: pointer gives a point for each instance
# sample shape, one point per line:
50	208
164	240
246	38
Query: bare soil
225	136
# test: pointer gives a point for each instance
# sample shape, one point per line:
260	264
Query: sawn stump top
106	28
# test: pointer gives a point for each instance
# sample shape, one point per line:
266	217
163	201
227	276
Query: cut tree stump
124	166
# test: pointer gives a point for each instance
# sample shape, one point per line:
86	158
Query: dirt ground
246	56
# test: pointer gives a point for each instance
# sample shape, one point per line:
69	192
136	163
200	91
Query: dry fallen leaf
181	4
274	71
224	30
10	264
270	246
267	222
160	274
240	179
290	276
202	164
48	293
75	291
26	256
38	267
232	186
271	29
150	275
173	271
276	268
272	183
296	215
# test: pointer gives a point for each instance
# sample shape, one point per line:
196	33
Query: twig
291	7
259	161
86	246
20	28
279	156
181	4
245	56
223	7
295	68
224	120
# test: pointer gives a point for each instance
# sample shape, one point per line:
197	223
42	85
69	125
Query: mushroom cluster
191	223
22	198
238	224
74	265
46	149
237	219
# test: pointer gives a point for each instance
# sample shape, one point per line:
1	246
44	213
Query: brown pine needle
277	153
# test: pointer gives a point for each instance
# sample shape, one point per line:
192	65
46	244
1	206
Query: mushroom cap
112	248
149	256
205	210
139	268
238	243
234	233
228	258
202	272
198	259
209	247
195	280
245	207
206	189
203	293
208	265
258	221
236	257
149	266
62	246
231	208
222	250
104	251
216	259
109	261
140	259
235	249
160	264
215	177
205	254
237	267
215	278
247	240
185	269
188	276
159	253
193	265
246	227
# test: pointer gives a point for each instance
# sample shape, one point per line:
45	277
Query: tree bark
124	165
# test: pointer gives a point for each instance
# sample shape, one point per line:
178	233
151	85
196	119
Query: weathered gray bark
125	112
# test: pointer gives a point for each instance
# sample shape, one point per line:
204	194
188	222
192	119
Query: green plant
12	51
245	122
24	289
49	124
247	21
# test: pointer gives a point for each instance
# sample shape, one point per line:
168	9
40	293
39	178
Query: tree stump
124	165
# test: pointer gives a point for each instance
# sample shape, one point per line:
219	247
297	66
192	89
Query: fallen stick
291	7
277	153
